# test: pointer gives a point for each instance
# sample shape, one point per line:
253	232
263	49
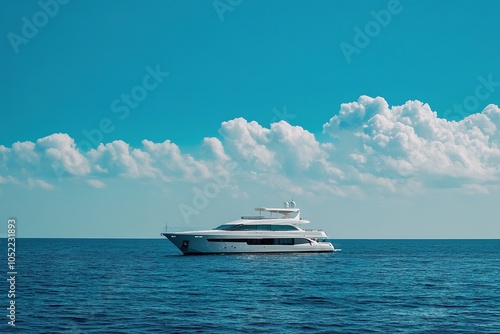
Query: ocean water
146	286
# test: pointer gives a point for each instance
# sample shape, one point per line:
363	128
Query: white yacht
279	233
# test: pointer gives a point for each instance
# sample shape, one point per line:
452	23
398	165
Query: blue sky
177	91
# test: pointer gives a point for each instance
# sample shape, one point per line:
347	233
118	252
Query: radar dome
292	204
285	205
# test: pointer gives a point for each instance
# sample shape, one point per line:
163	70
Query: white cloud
155	160
214	149
474	189
410	141
8	179
247	142
33	183
52	156
117	158
25	151
168	158
295	147
60	152
96	183
405	148
284	148
29	183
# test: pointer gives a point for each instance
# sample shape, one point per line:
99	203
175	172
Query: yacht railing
169	229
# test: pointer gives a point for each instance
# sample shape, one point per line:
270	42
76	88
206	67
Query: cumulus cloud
283	148
172	163
164	161
56	157
404	148
214	149
59	151
411	141
51	156
247	141
117	158
25	152
295	146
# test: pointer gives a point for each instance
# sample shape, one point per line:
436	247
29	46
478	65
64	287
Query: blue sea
147	286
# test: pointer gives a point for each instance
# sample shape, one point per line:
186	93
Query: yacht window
271	241
240	228
285	241
259	227
301	241
245	227
227	227
260	241
283	228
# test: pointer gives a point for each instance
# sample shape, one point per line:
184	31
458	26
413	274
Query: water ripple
144	286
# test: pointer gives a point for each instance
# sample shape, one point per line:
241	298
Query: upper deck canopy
287	212
278	210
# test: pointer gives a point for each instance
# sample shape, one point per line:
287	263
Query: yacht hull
224	244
